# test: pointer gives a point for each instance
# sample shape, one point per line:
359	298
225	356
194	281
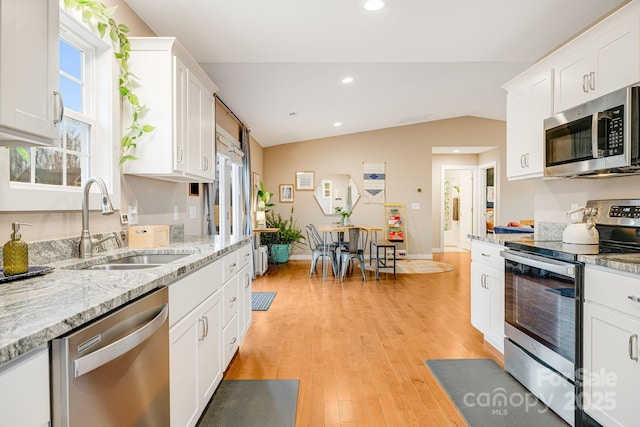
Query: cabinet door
571	80
209	348
518	101
617	58
612	371
245	296
495	332
180	113
200	129
29	68
480	298
540	107
183	363
25	386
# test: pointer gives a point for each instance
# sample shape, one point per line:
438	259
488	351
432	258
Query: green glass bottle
15	253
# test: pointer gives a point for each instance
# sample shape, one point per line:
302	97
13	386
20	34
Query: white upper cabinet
30	104
529	102
179	96
605	64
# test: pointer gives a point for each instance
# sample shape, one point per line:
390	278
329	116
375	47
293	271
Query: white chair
358	238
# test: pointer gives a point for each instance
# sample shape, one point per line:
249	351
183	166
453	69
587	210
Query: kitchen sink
136	262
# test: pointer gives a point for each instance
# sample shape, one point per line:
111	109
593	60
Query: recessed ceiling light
336	124
373	5
347	80
456	150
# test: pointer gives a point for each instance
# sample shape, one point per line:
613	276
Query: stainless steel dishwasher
115	371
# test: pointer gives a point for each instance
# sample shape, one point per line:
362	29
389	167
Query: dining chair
320	250
358	238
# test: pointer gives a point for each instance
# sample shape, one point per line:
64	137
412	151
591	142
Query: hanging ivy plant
99	13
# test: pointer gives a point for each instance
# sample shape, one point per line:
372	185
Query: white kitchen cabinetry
605	64
529	102
487	291
230	307
30	104
179	96
25	390
244	289
611	330
195	329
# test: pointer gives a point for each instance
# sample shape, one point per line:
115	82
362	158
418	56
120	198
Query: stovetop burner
618	223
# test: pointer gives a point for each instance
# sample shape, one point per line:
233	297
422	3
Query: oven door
540	308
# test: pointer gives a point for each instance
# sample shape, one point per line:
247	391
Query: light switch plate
124	218
193	213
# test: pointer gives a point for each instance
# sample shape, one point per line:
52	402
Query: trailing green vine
98	12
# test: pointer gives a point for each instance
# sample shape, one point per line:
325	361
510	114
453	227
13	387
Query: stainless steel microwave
594	139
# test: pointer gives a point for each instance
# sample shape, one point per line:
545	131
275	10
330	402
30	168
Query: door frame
482	196
474	197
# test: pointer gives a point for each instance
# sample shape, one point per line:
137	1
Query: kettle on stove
582	233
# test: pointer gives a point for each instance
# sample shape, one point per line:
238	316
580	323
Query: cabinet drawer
229	266
188	292
244	256
487	253
230	341
230	300
613	289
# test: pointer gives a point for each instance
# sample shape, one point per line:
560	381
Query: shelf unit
395	231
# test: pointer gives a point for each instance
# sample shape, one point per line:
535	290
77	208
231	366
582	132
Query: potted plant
282	241
263	198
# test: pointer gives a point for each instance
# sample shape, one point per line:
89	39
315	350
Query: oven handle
552	265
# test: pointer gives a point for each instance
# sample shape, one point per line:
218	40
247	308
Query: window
50	178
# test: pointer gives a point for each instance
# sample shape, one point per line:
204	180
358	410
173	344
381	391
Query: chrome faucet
86	242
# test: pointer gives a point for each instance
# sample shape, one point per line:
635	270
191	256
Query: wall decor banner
374	178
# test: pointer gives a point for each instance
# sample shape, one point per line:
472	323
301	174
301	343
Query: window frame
105	103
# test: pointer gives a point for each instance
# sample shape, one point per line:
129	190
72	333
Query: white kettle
582	233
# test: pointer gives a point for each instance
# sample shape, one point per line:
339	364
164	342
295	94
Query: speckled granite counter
500	239
36	310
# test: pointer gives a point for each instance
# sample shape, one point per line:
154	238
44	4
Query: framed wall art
286	193
304	181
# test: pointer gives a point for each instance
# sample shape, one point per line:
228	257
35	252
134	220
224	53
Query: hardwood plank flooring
358	348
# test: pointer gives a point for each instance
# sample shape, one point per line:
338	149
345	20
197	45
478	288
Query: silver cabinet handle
248	282
526	160
117	348
634	298
234	299
592	80
522	161
203	335
585	85
632	338
233	340
485	255
60	108
180	153
206	326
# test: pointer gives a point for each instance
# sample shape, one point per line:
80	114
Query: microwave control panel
614	129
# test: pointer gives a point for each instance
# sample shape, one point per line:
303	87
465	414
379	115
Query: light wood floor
358	348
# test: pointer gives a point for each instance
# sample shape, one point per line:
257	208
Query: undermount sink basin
136	262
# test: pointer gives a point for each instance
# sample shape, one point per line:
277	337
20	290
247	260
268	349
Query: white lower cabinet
25	390
487	292
204	331
195	351
245	284
610	346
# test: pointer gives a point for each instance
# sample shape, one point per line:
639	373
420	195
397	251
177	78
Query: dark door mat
249	403
487	396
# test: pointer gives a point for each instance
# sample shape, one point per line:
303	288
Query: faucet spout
86	243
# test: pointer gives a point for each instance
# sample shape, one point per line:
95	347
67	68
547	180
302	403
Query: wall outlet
193	212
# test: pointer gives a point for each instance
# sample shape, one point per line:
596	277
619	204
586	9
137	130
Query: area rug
487	396
261	301
252	403
414	266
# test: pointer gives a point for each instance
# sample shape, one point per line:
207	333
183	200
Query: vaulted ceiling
280	64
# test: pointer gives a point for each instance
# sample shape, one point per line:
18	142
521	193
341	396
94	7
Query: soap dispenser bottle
15	253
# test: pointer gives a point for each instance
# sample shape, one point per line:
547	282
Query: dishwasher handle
94	360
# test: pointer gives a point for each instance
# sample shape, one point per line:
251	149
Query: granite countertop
629	263
34	311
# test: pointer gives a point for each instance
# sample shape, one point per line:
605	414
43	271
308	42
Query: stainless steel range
543	306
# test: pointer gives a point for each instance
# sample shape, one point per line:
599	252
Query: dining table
327	229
